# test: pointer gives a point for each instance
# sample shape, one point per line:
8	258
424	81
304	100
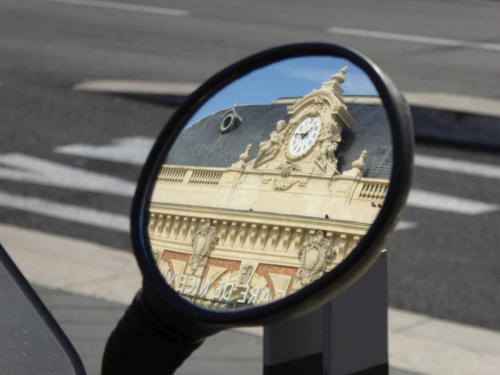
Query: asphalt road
446	266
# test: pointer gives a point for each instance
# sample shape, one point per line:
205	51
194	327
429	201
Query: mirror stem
142	344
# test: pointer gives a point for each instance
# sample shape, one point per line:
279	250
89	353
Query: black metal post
346	336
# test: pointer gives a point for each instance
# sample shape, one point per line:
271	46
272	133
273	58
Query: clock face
304	136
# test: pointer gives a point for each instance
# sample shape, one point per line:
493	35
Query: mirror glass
271	184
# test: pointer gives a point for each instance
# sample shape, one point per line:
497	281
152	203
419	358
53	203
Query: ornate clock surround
325	103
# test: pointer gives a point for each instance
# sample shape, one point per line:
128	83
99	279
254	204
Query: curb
437	117
456	127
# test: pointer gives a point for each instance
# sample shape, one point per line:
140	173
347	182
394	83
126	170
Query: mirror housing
166	305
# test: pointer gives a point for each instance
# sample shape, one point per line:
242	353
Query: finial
339	77
360	163
245	156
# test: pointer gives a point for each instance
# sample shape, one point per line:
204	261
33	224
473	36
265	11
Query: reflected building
257	201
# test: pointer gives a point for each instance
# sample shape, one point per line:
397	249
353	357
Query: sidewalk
87	287
438	117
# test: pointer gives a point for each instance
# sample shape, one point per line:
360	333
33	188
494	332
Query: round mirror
272	180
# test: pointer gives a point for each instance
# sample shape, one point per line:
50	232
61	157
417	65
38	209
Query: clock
304	137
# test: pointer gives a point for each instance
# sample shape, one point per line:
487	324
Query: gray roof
203	145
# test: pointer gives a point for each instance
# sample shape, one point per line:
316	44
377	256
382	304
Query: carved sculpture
271	146
326	147
317	106
245	274
284	182
203	242
314	257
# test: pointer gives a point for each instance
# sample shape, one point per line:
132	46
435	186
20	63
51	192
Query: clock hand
306	133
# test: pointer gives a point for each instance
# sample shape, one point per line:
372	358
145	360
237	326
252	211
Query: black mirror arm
147	340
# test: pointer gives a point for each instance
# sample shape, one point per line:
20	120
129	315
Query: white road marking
403	225
415	39
66	211
457	166
448	203
138	87
35	170
128	7
131	150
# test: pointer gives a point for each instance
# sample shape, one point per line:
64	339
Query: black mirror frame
349	270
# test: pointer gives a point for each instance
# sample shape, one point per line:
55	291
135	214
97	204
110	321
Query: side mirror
272	189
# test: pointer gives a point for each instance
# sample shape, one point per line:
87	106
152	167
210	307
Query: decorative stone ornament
241	164
229	120
268	149
245	274
203	242
284	182
315	255
357	166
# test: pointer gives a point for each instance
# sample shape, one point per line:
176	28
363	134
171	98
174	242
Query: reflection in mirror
271	184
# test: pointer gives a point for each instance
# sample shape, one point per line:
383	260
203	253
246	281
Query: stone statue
272	145
327	145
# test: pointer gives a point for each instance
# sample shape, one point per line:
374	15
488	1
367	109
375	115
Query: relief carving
317	106
315	255
269	148
245	274
284	182
204	241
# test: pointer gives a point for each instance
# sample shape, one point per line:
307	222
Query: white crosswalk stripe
65	211
130	150
448	203
126	7
38	171
457	166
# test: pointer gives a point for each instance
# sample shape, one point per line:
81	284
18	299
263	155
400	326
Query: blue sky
287	78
